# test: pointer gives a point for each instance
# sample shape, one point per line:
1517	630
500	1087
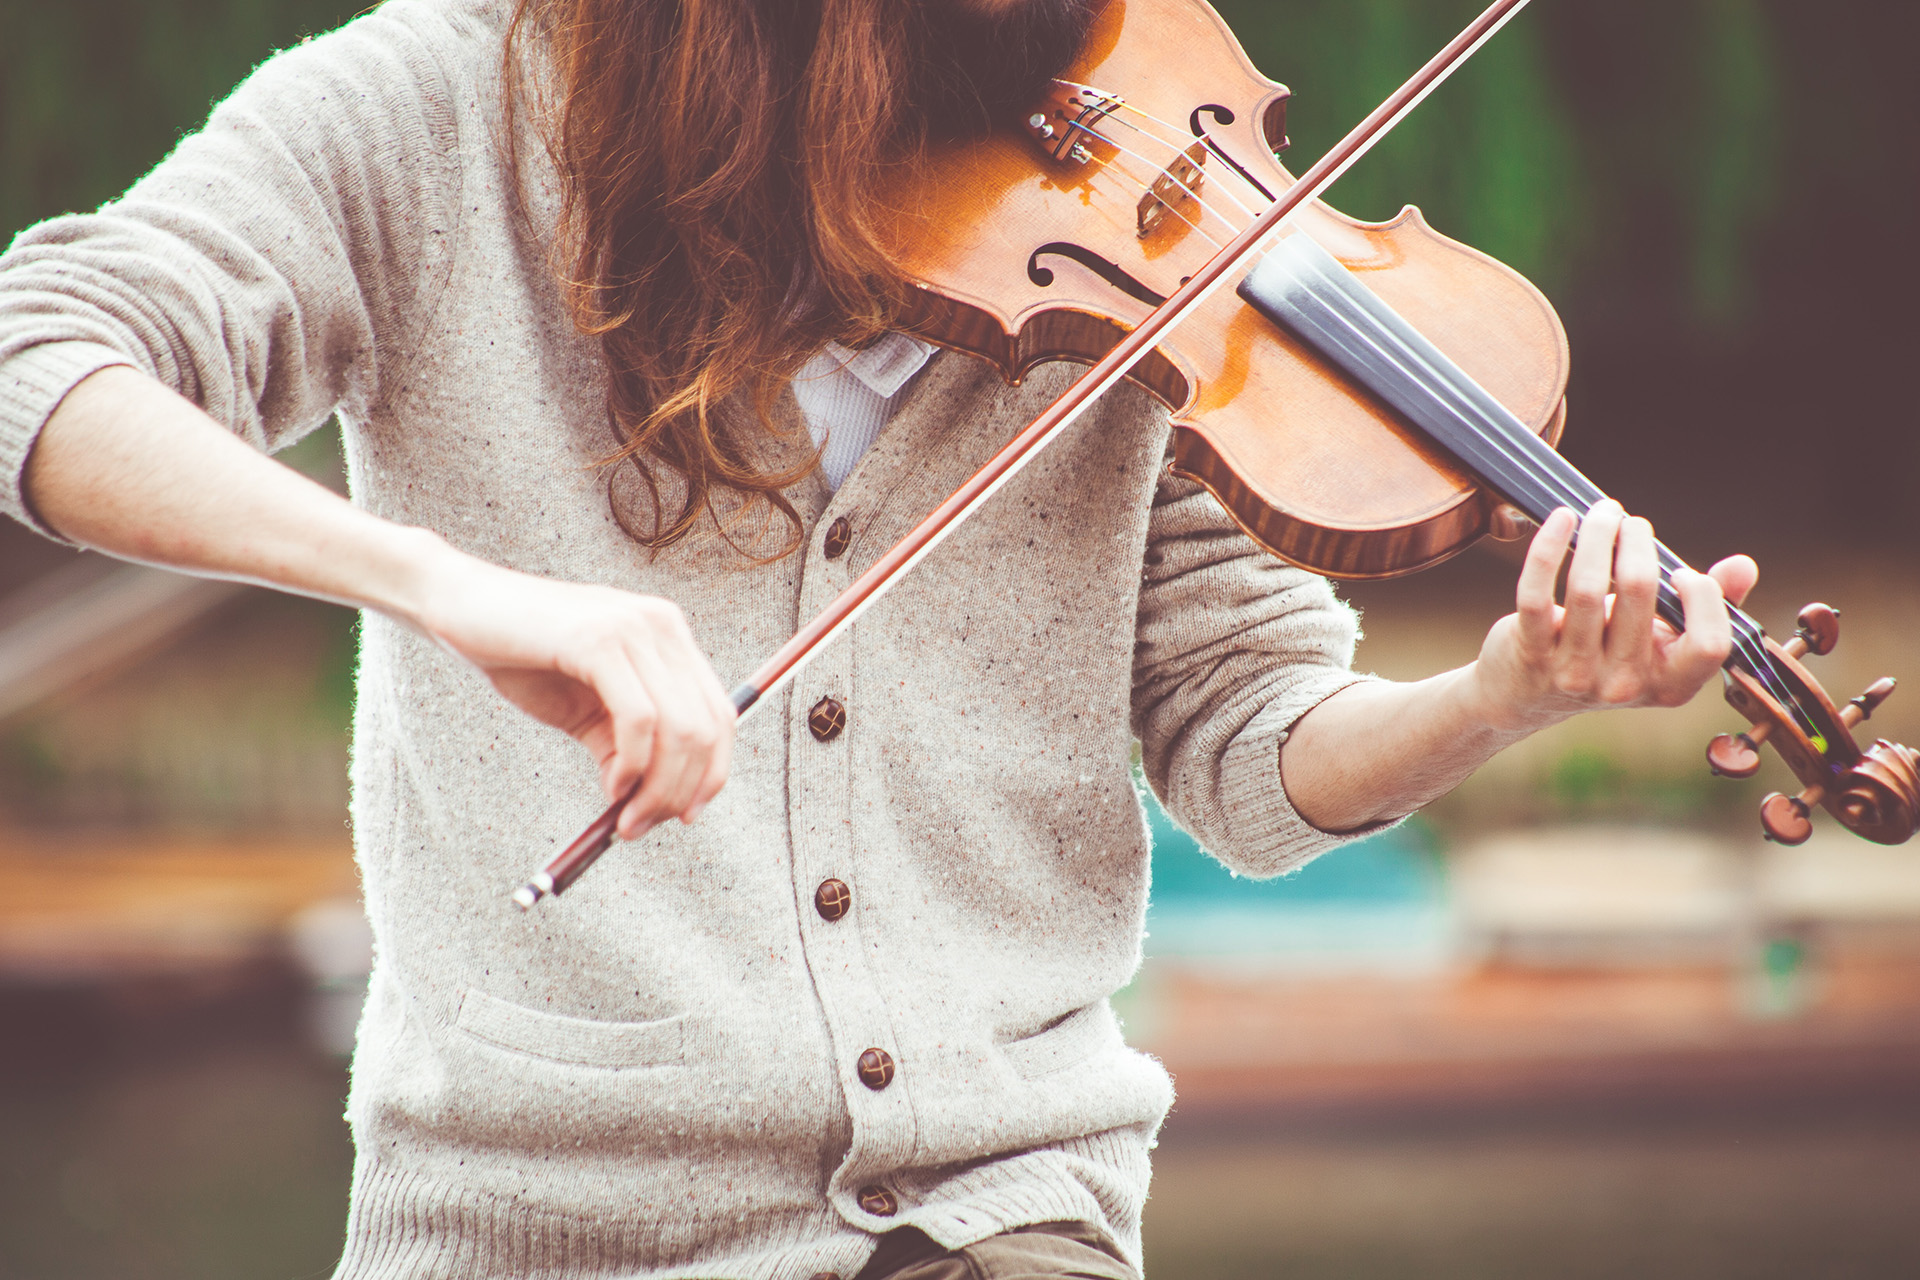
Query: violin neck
1305	290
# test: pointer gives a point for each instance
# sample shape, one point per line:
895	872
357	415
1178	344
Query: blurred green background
1716	194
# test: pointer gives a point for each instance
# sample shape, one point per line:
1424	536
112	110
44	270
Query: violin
1368	400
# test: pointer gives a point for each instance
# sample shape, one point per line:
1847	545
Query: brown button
839	534
879	1202
832	899
825	1275
827	719
876	1069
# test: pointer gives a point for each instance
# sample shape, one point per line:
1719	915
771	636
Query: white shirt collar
885	364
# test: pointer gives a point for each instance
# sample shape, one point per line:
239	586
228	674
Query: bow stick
570	863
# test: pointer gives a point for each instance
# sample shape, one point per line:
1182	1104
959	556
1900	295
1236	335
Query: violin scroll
1874	792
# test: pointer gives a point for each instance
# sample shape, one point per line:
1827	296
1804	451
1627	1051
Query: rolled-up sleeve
268	268
1232	646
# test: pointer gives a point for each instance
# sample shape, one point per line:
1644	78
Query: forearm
127	466
1378	751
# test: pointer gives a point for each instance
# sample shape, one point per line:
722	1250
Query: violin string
1555	481
1565	489
1168	175
1173	145
1224	188
1747	634
1110	108
1122	104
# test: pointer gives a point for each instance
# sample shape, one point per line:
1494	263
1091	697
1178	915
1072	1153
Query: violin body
1029	253
1364	404
1387	443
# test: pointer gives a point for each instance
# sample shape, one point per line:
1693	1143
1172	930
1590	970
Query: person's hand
620	672
130	467
1604	648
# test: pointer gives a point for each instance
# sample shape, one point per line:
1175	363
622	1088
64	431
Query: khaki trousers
1047	1251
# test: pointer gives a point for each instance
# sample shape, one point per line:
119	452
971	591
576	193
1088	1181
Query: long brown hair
718	160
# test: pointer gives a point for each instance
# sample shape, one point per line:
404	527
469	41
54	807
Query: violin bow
571	862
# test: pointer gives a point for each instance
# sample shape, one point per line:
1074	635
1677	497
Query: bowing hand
620	672
1604	648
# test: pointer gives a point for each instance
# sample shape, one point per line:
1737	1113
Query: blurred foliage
1588	778
1492	158
94	92
1524	152
1589	783
1710	191
1600	146
1646	143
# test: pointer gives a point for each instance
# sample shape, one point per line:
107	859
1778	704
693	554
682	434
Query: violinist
596	290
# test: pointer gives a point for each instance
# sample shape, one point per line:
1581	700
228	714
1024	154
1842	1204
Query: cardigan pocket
576	1041
1067	1043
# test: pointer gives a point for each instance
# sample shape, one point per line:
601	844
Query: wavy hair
718	161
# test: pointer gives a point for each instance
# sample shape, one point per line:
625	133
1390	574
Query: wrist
1489	706
416	576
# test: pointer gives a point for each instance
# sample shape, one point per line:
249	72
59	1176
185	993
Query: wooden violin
1365	402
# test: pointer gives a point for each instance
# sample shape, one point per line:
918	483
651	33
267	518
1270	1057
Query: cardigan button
839	534
876	1069
879	1202
824	1275
832	899
827	719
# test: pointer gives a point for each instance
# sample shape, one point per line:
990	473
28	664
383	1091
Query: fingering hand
1604	648
620	672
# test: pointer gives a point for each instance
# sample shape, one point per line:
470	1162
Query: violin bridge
1179	183
1066	123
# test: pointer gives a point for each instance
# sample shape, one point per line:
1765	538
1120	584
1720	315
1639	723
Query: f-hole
1223	116
1112	272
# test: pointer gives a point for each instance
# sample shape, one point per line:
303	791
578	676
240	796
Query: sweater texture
656	1075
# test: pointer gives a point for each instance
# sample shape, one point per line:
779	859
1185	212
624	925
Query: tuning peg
1788	819
1737	755
1867	703
1819	631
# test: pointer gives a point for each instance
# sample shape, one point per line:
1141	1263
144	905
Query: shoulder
403	56
403	97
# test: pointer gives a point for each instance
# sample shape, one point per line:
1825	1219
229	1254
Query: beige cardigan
657	1075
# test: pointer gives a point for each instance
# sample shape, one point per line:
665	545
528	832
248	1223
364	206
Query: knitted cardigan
657	1075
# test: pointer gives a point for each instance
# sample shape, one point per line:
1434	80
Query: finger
1636	586
713	730
681	746
1533	598
1588	579
696	718
629	718
1698	652
711	781
1737	576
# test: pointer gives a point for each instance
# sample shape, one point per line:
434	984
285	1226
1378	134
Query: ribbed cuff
1269	835
32	385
